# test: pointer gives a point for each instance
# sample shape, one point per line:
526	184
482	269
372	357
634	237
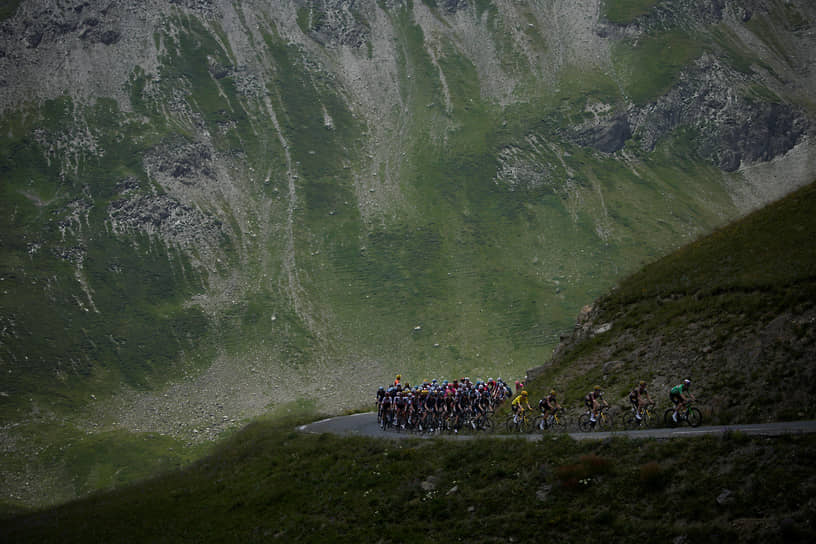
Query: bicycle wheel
485	424
559	424
539	424
630	421
584	425
667	418
511	425
694	417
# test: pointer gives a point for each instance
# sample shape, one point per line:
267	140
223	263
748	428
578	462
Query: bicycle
553	422
519	423
630	420
386	420
691	415
482	422
602	421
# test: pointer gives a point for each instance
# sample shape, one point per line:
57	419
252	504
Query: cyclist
400	407
386	407
594	400
639	398
483	399
518	405
380	396
410	409
680	395
457	410
548	406
436	404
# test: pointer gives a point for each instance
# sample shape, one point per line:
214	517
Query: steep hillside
734	311
213	209
269	483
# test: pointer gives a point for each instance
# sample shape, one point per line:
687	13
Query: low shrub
652	476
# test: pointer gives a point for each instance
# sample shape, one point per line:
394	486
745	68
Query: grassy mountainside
269	483
734	311
208	204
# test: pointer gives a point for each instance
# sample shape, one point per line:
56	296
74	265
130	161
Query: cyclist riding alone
519	403
680	395
548	406
594	400
639	397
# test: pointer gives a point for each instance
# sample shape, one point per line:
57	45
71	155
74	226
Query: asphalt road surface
365	424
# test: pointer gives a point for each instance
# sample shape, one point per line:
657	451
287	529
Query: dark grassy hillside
734	311
270	483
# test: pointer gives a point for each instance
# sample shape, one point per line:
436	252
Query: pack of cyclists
438	405
452	405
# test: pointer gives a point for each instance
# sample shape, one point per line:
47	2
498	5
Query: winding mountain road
365	424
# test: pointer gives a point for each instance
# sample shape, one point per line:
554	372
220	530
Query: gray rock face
607	136
334	23
731	127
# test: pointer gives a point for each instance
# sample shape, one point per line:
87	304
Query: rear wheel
667	418
539	424
584	425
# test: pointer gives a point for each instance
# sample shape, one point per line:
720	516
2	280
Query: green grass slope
734	311
269	483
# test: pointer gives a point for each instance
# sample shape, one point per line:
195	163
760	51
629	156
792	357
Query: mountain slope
213	210
271	483
734	311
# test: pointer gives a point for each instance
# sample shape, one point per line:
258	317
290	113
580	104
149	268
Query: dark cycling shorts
675	398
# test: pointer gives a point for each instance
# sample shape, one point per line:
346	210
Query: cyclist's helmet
552	391
597	388
524	393
686	382
642	383
399	376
